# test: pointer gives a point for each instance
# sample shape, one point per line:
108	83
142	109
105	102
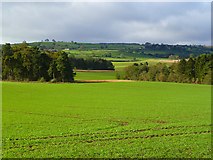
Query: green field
95	75
119	67
123	119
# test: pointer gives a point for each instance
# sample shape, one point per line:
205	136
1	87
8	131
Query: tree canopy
192	70
23	62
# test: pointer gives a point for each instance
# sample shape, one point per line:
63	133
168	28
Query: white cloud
108	22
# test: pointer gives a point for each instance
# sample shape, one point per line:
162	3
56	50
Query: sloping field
123	119
95	75
121	65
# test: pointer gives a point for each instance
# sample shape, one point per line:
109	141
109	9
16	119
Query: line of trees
192	70
92	64
22	62
25	63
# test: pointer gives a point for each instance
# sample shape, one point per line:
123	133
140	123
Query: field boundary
100	81
90	70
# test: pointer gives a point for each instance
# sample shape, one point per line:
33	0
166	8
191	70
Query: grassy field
119	67
95	75
123	119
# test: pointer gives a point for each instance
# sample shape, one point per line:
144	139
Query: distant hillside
124	50
76	45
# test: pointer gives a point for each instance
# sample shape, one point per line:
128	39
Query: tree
43	66
181	66
29	70
190	69
23	62
152	73
202	65
7	61
7	50
52	71
64	66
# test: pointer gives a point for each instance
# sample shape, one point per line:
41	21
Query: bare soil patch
170	61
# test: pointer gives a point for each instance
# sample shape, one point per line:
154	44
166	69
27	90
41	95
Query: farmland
125	50
95	75
110	80
119	68
123	119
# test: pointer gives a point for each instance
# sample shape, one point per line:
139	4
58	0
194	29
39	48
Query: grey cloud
108	22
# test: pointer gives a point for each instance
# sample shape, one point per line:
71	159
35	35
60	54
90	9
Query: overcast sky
162	22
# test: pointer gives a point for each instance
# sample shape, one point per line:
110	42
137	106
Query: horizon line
1	43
